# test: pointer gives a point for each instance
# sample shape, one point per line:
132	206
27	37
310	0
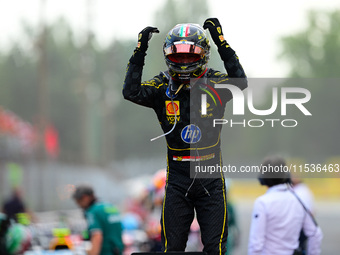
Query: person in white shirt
279	216
304	193
307	198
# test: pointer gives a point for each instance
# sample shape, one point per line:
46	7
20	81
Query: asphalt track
327	216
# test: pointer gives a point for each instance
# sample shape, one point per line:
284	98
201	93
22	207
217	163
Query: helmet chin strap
188	81
202	73
200	76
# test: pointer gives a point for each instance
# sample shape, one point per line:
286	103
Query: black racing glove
144	36
215	29
143	40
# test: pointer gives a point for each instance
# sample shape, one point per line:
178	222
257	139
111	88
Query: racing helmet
186	51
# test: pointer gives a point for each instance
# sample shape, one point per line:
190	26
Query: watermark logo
295	96
239	101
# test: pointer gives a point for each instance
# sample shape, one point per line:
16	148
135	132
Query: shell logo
170	108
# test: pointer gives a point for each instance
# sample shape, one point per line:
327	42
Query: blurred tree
314	53
16	69
314	60
64	87
18	79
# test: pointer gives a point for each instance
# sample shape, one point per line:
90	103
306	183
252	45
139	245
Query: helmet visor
184	58
183	48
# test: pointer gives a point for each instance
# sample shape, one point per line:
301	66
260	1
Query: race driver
192	140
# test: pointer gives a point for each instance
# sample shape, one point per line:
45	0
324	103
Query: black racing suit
188	147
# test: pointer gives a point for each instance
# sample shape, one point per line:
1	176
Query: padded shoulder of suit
211	73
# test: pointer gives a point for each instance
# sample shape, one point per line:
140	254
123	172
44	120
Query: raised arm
227	54
134	90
